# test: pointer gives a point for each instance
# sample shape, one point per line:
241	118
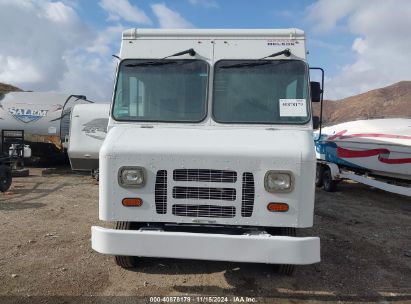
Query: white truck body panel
162	150
230	44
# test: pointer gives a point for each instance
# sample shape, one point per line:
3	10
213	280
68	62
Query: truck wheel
329	184
125	261
319	175
285	269
5	178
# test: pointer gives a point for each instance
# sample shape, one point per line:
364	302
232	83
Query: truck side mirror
316	91
316	122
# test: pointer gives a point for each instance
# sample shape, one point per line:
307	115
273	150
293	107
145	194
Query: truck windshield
161	90
261	91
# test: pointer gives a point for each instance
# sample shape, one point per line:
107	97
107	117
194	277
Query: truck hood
282	146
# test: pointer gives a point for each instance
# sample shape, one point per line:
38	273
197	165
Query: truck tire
319	175
329	184
5	178
285	269
125	261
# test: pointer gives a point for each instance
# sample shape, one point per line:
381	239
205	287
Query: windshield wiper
286	53
245	64
160	61
191	52
150	63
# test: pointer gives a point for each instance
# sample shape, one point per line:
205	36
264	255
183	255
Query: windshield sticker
293	108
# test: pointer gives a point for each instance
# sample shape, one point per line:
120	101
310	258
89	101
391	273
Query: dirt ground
45	252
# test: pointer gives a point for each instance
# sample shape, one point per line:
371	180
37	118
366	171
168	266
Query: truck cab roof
291	33
212	44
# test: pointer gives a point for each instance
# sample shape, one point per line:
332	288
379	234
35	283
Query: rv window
161	90
261	91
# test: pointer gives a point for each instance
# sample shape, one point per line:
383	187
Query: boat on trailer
366	150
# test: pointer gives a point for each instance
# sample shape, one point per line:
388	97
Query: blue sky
240	14
66	45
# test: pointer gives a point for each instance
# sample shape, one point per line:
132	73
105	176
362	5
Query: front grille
205	175
248	193
210	202
204	211
226	194
160	192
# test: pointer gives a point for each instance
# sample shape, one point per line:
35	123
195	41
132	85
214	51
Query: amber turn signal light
277	207
132	202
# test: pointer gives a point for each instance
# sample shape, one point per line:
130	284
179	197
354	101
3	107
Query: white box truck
209	152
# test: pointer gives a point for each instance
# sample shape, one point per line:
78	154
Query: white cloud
381	45
91	69
46	47
322	44
92	76
12	67
122	9
59	12
284	13
106	40
325	14
168	18
205	3
32	51
359	45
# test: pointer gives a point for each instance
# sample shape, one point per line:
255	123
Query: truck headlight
131	177
278	181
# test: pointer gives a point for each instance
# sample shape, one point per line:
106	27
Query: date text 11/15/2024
203	299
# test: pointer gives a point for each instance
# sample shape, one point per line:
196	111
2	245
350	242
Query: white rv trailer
44	118
209	152
88	130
